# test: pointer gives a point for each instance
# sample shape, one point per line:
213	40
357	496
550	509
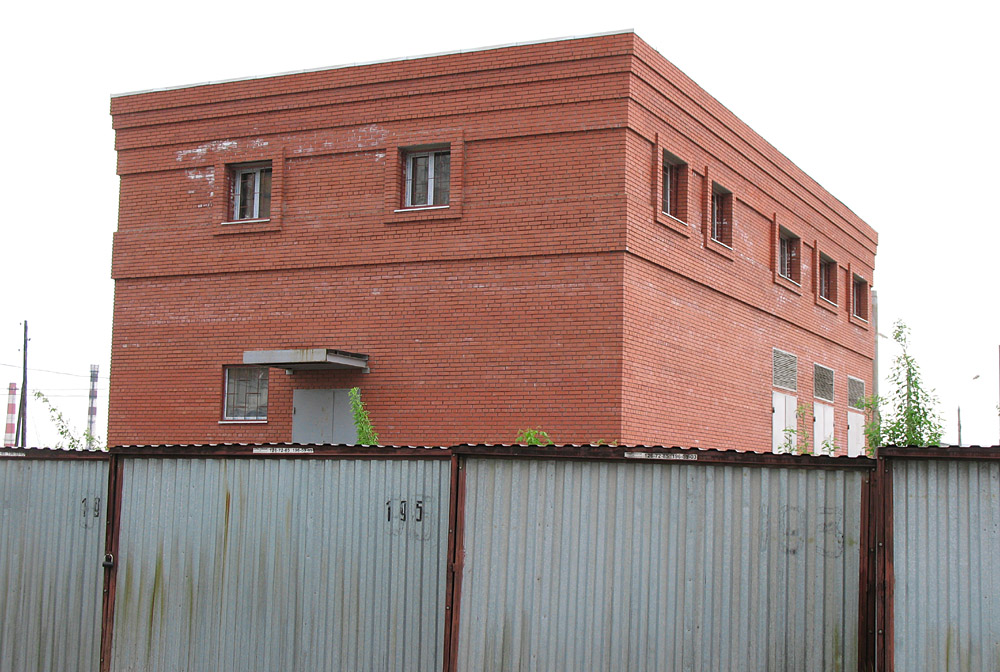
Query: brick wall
550	293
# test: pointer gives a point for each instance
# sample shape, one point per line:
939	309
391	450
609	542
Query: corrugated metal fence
659	566
52	526
498	558
945	562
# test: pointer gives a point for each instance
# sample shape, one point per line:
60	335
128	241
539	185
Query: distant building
568	235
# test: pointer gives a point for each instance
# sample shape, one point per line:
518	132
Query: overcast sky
890	106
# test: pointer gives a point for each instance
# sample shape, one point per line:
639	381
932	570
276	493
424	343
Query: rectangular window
251	189
722	215
788	255
828	278
673	185
823	382
246	393
859	298
428	178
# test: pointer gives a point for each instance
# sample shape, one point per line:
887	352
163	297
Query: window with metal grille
822	382
428	178
788	255
246	393
855	392
859	298
674	185
827	279
722	215
251	191
785	370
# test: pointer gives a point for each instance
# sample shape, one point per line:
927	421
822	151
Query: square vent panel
823	382
785	371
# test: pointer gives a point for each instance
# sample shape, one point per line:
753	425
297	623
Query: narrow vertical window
859	298
673	194
788	256
722	215
828	278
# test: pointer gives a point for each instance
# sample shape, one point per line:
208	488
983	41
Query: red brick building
569	235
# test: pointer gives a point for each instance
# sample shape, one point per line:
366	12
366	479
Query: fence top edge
941	452
8	452
642	453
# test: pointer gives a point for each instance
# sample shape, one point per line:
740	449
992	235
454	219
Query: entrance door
855	433
322	416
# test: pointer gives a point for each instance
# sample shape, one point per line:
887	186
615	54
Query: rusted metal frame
942	452
450	573
11	453
283	451
456	561
112	529
890	570
661	454
867	585
884	571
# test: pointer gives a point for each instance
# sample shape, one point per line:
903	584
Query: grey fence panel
573	565
52	525
279	564
946	548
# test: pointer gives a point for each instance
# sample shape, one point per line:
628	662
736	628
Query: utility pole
20	437
92	409
959	426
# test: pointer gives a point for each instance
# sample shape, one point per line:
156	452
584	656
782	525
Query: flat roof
385	60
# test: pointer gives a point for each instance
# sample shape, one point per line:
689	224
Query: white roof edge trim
385	60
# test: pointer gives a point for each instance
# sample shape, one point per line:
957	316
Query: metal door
322	416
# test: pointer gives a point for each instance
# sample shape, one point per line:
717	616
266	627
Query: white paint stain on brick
368	136
201	151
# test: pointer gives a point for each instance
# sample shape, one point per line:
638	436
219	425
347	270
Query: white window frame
670	196
238	172
430	154
789	253
228	414
722	229
858	281
827	286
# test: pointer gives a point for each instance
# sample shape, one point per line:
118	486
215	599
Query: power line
60	373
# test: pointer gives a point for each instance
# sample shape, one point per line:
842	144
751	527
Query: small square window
859	298
674	186
722	215
251	191
428	178
789	251
827	280
246	393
